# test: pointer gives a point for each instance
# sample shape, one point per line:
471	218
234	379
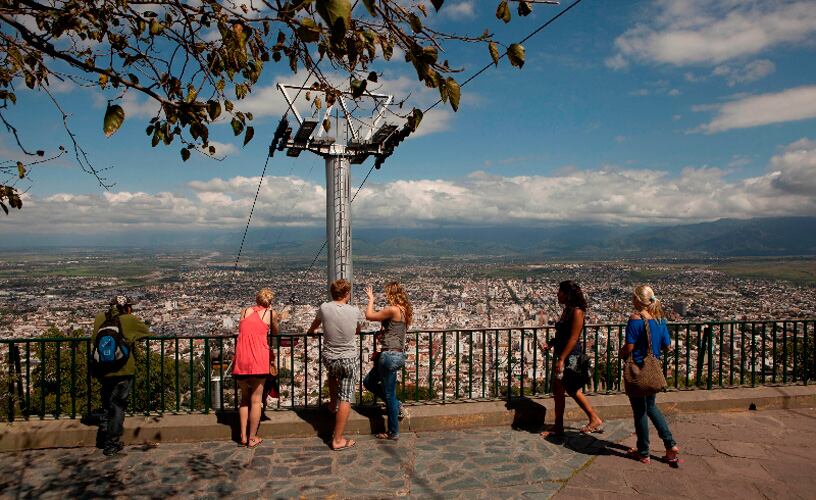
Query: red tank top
252	347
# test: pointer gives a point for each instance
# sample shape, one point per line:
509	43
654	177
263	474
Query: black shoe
110	451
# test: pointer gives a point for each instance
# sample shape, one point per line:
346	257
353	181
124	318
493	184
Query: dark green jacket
133	329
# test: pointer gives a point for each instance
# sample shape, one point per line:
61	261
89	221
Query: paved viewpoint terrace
745	454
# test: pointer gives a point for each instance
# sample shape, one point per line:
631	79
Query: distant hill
772	236
726	237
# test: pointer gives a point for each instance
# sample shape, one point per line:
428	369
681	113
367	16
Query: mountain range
772	236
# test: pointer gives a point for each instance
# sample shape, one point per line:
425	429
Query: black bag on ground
110	351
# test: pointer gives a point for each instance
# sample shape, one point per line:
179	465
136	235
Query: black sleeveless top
563	331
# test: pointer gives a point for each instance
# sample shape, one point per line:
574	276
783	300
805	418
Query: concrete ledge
521	413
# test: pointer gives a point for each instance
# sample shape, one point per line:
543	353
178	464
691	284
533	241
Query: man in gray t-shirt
341	326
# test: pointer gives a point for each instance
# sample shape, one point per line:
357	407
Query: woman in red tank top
251	363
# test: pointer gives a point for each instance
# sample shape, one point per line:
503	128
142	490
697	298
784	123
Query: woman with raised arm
396	317
567	352
251	364
647	323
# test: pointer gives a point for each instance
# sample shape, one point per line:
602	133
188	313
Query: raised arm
381	315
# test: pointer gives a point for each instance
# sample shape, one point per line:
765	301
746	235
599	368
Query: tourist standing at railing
251	365
567	378
117	323
382	379
341	327
644	408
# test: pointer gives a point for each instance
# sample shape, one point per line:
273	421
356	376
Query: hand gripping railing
49	377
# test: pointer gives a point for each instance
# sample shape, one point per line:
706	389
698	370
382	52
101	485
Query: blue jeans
382	382
641	409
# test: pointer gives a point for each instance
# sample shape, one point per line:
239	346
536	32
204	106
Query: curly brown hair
396	296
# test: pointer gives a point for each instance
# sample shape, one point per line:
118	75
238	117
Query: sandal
671	457
349	444
635	455
257	441
554	432
385	435
592	429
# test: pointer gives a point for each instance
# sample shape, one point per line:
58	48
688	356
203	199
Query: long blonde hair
396	296
645	299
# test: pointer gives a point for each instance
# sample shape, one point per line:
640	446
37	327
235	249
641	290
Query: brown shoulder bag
646	380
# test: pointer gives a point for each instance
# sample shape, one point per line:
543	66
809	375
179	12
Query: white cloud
684	32
460	11
603	194
789	105
755	70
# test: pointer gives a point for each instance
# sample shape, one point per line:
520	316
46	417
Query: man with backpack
115	334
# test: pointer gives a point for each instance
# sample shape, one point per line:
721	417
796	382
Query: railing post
10	385
207	365
148	387
509	364
710	357
753	354
73	379
444	366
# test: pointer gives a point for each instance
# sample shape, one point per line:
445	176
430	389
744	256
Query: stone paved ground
744	455
747	454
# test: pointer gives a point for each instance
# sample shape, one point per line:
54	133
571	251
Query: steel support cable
263	173
471	78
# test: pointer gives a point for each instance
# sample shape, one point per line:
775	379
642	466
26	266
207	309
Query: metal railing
49	377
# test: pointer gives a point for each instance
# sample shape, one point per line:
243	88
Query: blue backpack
110	351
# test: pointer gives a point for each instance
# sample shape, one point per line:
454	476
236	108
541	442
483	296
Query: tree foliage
199	59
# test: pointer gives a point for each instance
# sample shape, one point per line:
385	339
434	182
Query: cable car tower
311	135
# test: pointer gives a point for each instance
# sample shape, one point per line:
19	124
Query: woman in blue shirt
647	308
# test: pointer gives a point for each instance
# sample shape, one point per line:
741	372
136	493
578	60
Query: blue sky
625	112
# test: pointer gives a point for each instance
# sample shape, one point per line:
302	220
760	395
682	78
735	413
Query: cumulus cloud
735	74
684	32
459	11
605	194
751	111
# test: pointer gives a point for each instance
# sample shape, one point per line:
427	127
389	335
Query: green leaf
336	13
237	126
494	52
250	133
437	4
415	22
358	87
308	31
503	11
185	154
369	5
524	8
516	54
214	109
21	170
155	26
454	93
114	116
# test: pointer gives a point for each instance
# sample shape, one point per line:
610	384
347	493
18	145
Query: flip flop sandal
257	442
386	436
635	455
349	444
592	430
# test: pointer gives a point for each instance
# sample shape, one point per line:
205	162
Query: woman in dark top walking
382	379
647	308
566	351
